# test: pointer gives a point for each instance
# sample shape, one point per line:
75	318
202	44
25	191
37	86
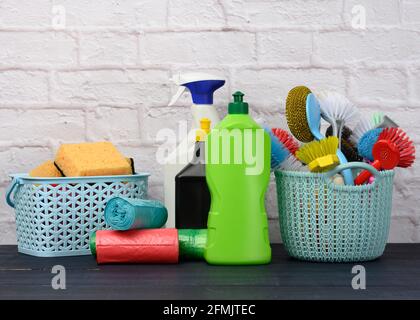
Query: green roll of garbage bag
192	243
127	214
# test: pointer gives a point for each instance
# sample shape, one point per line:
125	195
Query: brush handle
347	174
352	165
365	175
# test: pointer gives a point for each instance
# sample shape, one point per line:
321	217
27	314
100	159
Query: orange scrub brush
296	113
320	156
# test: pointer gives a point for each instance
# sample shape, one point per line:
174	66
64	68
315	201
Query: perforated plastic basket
55	216
322	221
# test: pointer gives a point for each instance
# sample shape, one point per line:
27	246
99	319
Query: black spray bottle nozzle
238	106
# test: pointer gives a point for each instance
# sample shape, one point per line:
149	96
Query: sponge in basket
46	169
91	159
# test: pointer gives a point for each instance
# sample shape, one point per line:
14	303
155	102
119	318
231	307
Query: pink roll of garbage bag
135	246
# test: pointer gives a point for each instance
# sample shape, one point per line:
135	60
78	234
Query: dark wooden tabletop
396	275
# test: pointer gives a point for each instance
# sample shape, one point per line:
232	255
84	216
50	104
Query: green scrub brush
320	156
380	120
296	113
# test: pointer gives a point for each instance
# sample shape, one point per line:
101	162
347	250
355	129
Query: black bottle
192	196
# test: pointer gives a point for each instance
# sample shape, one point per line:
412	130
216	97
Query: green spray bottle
237	174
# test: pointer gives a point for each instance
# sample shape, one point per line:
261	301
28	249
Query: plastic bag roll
135	246
127	214
192	243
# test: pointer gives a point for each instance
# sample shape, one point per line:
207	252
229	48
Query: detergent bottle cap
238	106
201	85
204	129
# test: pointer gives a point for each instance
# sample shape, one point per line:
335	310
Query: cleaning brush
296	113
337	110
377	118
393	149
366	143
363	126
404	144
286	139
278	151
347	147
320	155
380	120
345	133
292	164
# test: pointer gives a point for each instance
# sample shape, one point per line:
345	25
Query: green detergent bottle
237	174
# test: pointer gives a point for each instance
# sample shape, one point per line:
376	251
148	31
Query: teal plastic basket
55	216
322	221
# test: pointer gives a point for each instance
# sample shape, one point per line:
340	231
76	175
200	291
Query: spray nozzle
204	129
201	85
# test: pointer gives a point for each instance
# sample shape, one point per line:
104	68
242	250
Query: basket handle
353	165
11	191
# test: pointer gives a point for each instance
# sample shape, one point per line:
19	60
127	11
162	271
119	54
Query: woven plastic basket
322	221
55	216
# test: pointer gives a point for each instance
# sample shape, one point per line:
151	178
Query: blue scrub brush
366	143
279	152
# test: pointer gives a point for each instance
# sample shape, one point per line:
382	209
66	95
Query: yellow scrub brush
320	156
296	113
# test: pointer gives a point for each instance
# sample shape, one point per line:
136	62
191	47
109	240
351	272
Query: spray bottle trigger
178	94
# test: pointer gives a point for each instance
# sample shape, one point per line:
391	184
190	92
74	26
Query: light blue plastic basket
55	216
322	221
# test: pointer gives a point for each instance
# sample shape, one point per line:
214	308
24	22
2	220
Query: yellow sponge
131	163
91	159
45	170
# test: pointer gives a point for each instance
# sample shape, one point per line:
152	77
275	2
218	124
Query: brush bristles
363	126
286	139
377	118
350	151
345	134
403	143
337	107
292	164
367	142
317	149
296	113
347	147
278	151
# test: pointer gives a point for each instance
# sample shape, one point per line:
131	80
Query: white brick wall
105	75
